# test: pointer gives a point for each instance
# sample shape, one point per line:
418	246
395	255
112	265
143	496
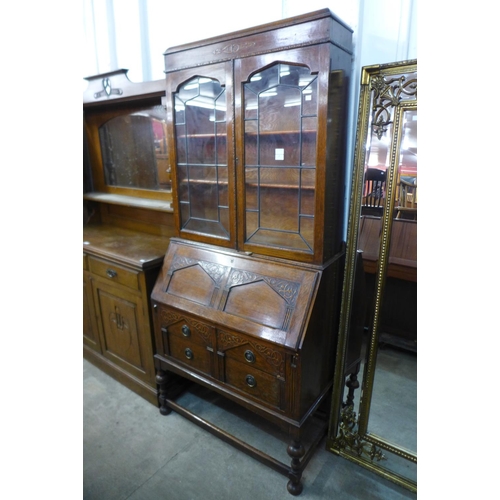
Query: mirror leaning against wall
374	411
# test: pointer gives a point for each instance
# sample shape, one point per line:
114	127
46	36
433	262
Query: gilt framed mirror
373	419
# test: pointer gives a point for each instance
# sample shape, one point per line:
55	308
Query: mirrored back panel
134	151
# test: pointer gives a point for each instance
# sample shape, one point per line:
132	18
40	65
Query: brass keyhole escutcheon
188	353
186	331
249	356
250	380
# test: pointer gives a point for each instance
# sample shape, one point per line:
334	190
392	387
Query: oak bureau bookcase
247	301
128	221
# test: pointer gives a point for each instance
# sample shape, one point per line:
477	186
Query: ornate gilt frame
387	91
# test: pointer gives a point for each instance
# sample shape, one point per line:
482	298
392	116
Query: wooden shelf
267	133
129	201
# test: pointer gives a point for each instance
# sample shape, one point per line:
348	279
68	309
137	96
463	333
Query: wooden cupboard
128	222
247	300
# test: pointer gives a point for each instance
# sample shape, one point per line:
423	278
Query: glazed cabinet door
122	325
199	108
280	141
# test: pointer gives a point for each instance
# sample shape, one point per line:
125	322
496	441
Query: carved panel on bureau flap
277	298
215	271
195	280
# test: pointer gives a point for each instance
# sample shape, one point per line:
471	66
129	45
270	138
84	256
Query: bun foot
165	410
294	488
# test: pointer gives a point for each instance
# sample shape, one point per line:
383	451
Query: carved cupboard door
121	322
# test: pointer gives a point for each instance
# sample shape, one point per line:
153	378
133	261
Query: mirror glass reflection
374	422
392	411
134	150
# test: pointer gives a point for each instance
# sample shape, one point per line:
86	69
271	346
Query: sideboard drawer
114	273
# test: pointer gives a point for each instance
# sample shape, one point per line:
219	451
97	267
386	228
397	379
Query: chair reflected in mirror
374	192
407	198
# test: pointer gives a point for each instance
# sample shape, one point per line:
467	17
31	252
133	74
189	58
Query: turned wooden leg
352	384
162	380
296	451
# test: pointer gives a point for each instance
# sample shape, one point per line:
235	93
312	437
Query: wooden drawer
252	352
189	328
173	323
114	273
253	382
196	356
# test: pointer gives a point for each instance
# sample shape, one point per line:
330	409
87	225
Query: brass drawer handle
249	356
189	353
111	273
186	331
250	380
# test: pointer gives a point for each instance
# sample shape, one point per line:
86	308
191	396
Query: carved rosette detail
287	289
389	92
349	438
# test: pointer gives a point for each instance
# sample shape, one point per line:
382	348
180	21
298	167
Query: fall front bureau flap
271	300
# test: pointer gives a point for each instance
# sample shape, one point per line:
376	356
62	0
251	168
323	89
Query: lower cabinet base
298	454
148	392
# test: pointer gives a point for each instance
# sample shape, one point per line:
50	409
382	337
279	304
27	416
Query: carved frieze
233	48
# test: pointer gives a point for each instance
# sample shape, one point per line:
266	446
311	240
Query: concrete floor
132	452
